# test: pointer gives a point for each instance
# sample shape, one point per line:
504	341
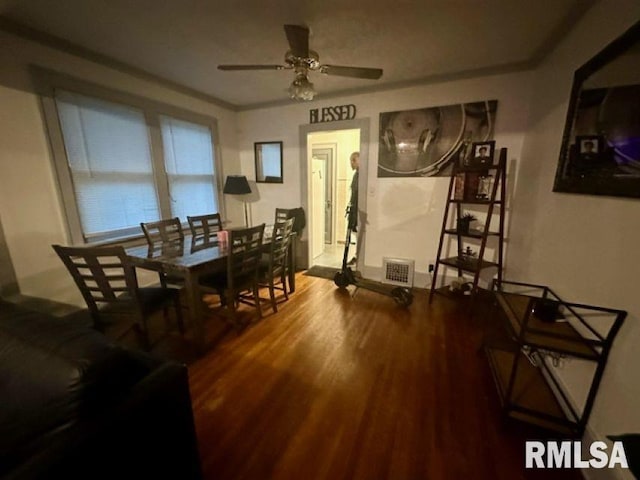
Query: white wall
30	205
404	214
585	247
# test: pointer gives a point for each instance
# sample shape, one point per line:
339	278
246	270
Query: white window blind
189	163
128	161
109	158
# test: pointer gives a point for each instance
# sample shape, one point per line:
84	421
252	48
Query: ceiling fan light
302	89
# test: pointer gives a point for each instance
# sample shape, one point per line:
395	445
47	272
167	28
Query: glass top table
190	260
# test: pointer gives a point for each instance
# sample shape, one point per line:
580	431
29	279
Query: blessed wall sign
332	114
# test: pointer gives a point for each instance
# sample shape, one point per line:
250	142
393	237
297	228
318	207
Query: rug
322	272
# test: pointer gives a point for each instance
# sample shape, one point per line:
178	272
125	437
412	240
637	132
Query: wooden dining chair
205	226
163	234
163	231
299	222
109	286
273	269
239	284
283	214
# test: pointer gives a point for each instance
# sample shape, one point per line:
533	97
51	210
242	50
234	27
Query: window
123	164
110	163
187	161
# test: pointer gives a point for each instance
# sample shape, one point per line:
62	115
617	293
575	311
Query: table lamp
238	185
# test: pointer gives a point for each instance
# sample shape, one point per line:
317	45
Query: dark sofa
75	405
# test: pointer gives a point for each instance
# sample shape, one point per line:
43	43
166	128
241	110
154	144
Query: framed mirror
600	152
268	162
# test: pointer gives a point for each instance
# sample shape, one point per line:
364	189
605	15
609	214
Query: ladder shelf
479	187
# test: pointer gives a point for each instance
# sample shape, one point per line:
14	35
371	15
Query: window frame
46	82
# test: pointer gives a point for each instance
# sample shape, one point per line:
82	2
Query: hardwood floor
335	387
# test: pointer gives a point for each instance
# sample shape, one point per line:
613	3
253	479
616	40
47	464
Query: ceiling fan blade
251	67
355	72
298	38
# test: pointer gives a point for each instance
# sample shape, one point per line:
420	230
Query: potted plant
463	223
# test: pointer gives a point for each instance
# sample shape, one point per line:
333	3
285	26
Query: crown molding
578	10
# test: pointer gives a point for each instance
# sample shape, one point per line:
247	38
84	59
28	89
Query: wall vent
398	271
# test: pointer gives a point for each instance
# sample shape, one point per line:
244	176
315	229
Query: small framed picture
483	152
589	145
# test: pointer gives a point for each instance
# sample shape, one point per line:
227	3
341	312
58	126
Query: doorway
305	250
330	190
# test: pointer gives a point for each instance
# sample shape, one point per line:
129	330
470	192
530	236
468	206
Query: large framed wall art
600	152
425	142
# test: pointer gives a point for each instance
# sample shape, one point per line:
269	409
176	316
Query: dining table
191	259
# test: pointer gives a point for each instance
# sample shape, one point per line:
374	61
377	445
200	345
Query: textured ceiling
183	41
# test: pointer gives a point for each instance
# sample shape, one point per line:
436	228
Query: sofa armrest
149	434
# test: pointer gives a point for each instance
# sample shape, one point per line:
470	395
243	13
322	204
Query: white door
318	202
326	155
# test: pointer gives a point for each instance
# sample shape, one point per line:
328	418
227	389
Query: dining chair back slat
163	232
274	271
282	214
245	250
280	241
239	284
205	226
98	261
165	235
109	287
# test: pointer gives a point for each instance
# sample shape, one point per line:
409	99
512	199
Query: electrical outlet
431	267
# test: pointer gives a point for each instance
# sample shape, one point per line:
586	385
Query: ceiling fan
302	60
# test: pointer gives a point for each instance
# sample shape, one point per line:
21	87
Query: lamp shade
236	185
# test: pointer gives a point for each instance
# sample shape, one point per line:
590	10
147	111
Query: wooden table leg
292	264
194	302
